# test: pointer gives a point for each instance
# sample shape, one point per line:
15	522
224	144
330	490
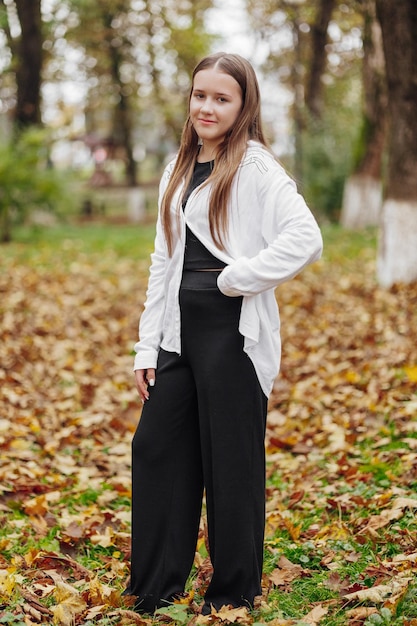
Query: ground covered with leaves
341	533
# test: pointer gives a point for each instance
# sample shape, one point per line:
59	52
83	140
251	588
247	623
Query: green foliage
327	160
383	618
177	613
27	181
323	141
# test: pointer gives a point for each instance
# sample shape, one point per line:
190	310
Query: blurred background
93	98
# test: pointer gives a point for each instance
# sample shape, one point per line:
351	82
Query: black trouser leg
232	415
167	486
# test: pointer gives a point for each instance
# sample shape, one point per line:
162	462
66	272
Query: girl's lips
207	121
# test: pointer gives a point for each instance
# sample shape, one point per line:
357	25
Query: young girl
231	227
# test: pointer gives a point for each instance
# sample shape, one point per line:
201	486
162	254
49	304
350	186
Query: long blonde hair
248	125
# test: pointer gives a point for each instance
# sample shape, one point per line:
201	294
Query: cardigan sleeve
150	325
291	235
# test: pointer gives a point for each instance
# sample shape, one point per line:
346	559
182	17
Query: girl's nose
207	106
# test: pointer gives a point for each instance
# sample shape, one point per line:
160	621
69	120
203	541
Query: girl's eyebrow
219	93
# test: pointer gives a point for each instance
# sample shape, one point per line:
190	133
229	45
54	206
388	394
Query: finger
144	378
150	376
141	384
149	381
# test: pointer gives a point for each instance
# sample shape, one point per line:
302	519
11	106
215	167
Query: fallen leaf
380	593
286	572
361	613
315	615
226	615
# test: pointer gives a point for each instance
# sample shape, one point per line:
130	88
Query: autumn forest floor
341	532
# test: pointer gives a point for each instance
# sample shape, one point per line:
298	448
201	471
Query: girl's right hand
144	378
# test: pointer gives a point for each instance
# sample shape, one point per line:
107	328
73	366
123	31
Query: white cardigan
271	236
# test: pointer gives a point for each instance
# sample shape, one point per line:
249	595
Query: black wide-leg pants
203	427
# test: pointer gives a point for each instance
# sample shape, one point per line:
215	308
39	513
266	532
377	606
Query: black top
196	256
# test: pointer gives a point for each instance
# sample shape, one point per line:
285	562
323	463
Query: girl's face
216	101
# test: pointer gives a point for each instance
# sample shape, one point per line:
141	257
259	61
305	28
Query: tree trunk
314	87
5	225
123	129
122	121
29	63
397	254
362	198
298	105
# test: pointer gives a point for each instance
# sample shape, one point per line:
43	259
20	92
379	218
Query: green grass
133	241
341	245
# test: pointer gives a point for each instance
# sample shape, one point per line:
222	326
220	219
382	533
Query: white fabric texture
272	235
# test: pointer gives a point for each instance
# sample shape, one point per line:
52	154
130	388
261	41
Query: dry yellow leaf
411	372
7	583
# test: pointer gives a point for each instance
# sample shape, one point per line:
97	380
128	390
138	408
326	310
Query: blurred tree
318	63
137	56
25	44
362	198
397	255
314	51
186	44
27	180
27	183
102	31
